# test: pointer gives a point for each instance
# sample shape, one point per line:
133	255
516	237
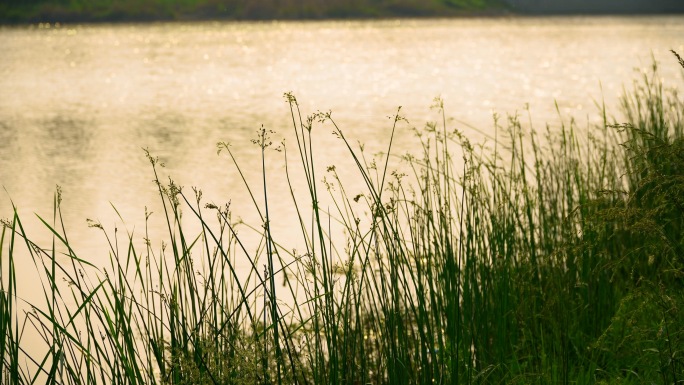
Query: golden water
78	102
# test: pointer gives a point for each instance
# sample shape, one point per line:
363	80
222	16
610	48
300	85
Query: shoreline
118	18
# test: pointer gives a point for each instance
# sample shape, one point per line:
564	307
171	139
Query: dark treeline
122	10
597	6
19	11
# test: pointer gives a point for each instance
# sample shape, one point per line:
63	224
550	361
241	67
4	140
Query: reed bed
539	256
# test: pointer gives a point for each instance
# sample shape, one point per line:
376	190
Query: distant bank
597	6
34	11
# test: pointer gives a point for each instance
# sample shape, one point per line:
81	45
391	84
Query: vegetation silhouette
539	258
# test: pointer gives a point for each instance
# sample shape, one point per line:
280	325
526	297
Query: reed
539	256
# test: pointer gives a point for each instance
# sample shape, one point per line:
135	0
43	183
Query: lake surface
79	102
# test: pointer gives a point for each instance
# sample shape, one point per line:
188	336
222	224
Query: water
78	102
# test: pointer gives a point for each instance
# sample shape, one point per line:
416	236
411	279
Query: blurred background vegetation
122	10
18	11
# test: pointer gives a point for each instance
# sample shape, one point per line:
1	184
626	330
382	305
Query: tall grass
540	256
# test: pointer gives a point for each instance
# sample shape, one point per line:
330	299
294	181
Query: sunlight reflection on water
78	102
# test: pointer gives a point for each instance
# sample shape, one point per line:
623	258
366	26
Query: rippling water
78	102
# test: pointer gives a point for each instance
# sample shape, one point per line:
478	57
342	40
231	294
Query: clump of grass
539	256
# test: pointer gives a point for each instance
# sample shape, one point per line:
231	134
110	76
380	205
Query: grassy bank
135	10
541	256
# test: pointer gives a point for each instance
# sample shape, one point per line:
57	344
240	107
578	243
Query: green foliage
116	10
645	339
466	3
